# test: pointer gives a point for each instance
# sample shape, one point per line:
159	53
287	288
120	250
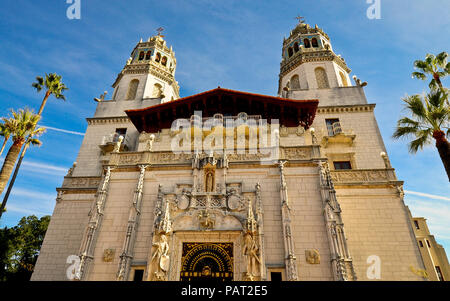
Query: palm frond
441	59
419	75
423	138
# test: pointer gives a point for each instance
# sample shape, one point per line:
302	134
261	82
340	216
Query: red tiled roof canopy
290	112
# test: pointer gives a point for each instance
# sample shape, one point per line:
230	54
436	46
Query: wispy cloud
63	130
427	195
46	168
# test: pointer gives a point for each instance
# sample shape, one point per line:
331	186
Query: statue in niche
209	181
160	259
251	253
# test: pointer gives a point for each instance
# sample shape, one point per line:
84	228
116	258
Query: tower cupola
308	61
149	73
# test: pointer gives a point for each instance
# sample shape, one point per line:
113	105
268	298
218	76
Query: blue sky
234	44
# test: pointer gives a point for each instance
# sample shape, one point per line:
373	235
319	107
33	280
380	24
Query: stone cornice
346	108
103	120
311	56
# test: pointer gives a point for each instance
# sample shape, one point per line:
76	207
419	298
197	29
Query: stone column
341	261
260	222
133	222
290	259
90	236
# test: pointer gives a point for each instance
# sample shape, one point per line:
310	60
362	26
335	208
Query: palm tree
22	126
436	66
430	119
53	85
5	133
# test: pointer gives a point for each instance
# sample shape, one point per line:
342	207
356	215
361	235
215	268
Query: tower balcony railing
336	134
109	141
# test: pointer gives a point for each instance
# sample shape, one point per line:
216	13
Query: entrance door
207	261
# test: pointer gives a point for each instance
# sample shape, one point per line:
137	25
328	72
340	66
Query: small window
295	46
164	61
338	165
439	273
333	126
314	42
306	43
138	275
417	225
290	52
119	132
275	276
420	244
141	55
158	57
148	55
428	243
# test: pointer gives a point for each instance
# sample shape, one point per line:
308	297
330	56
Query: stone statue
150	143
251	252
160	259
118	144
129	60
209	182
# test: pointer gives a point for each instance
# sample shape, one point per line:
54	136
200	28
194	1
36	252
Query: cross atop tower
159	30
300	19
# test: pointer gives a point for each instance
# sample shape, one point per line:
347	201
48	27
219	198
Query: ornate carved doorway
207	261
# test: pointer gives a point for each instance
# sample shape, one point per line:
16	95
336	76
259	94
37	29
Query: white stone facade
306	218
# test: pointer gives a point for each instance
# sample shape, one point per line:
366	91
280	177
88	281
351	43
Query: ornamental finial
300	19
159	30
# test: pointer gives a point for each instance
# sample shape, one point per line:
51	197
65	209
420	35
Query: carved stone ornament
312	256
184	200
108	255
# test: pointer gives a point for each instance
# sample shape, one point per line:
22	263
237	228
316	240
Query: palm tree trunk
13	179
44	101
8	165
443	147
3	146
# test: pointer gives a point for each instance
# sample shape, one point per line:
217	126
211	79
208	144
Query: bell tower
149	73
308	62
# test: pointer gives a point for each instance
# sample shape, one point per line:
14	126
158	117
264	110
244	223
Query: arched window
306	43
295	82
132	89
314	42
321	78
141	55
343	79
295	46
158	57
157	91
148	55
164	61
290	52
